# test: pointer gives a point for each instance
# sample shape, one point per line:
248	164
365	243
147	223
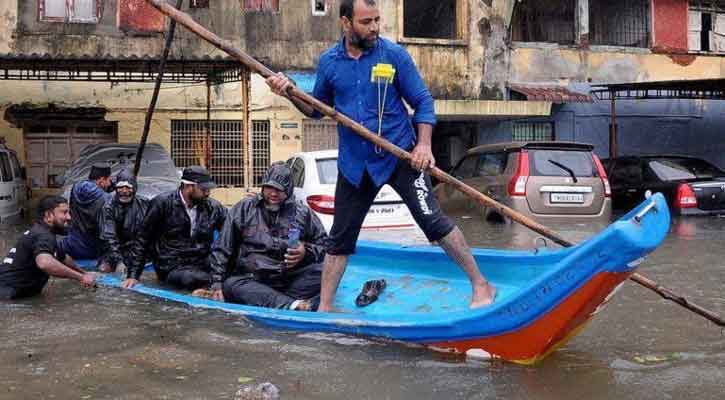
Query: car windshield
673	169
327	169
562	163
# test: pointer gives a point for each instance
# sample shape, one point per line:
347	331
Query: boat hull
544	297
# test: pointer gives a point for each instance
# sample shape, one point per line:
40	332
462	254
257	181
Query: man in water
26	269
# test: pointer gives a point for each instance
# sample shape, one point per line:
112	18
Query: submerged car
692	186
157	175
14	192
314	175
542	180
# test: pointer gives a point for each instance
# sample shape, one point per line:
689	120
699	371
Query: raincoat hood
279	176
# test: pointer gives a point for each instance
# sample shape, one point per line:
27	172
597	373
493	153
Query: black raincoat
167	234
253	231
120	224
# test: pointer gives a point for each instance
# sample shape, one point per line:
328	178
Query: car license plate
567	198
384	209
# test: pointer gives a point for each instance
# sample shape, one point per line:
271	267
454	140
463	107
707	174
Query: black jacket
167	234
121	223
252	230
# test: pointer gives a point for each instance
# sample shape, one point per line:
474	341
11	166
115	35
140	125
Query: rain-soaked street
73	344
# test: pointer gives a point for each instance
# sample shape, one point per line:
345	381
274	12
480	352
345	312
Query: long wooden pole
254	65
155	95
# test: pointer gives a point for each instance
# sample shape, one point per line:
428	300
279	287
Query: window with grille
261	5
620	23
551	21
533	131
706	25
260	150
75	11
220	148
199	4
319	7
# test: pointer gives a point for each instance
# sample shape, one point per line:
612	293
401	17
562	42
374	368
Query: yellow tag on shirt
382	72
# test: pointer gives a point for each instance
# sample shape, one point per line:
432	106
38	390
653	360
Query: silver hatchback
543	180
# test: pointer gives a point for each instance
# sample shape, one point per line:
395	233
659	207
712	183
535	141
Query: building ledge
490	109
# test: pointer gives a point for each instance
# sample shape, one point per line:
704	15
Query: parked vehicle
539	179
692	186
314	175
14	192
157	175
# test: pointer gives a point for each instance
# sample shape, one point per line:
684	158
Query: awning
47	67
705	89
554	94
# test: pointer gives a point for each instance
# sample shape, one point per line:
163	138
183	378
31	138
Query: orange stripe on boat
532	343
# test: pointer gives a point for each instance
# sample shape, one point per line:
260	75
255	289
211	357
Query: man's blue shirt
345	83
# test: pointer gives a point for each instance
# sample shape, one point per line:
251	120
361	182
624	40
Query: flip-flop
370	292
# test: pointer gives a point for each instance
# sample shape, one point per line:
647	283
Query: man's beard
197	201
125	199
361	42
59	229
273	208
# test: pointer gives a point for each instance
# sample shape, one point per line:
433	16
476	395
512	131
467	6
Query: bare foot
105	267
483	295
203	293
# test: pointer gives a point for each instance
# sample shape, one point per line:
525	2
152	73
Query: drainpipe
613	128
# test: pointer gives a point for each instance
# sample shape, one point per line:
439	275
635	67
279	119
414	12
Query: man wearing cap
273	246
86	200
179	230
120	222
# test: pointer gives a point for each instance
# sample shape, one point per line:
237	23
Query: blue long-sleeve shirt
345	83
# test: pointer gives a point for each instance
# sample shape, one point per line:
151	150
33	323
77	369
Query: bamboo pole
155	95
256	66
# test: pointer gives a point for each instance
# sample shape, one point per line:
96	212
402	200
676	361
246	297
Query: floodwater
110	344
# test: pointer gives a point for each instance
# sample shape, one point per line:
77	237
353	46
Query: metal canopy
703	89
107	69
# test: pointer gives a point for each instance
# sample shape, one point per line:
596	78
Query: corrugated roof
554	94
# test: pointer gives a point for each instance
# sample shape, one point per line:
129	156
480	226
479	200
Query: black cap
100	170
198	175
279	177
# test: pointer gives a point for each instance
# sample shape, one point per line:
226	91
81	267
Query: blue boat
545	296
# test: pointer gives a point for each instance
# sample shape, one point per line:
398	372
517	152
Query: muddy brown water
110	344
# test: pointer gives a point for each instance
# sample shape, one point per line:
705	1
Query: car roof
317	155
514	146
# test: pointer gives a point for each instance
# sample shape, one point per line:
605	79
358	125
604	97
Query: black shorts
352	205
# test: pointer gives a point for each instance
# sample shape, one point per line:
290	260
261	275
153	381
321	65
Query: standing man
121	222
255	247
36	256
179	229
86	200
344	81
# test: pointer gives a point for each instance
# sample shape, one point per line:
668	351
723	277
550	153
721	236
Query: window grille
76	11
260	150
620	23
220	149
551	21
533	131
199	4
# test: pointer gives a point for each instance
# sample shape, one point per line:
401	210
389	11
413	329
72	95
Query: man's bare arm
53	267
280	85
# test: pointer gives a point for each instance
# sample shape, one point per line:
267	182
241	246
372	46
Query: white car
13	190
314	175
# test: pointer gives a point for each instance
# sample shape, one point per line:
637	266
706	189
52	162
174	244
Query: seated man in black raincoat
120	223
269	266
179	230
86	200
